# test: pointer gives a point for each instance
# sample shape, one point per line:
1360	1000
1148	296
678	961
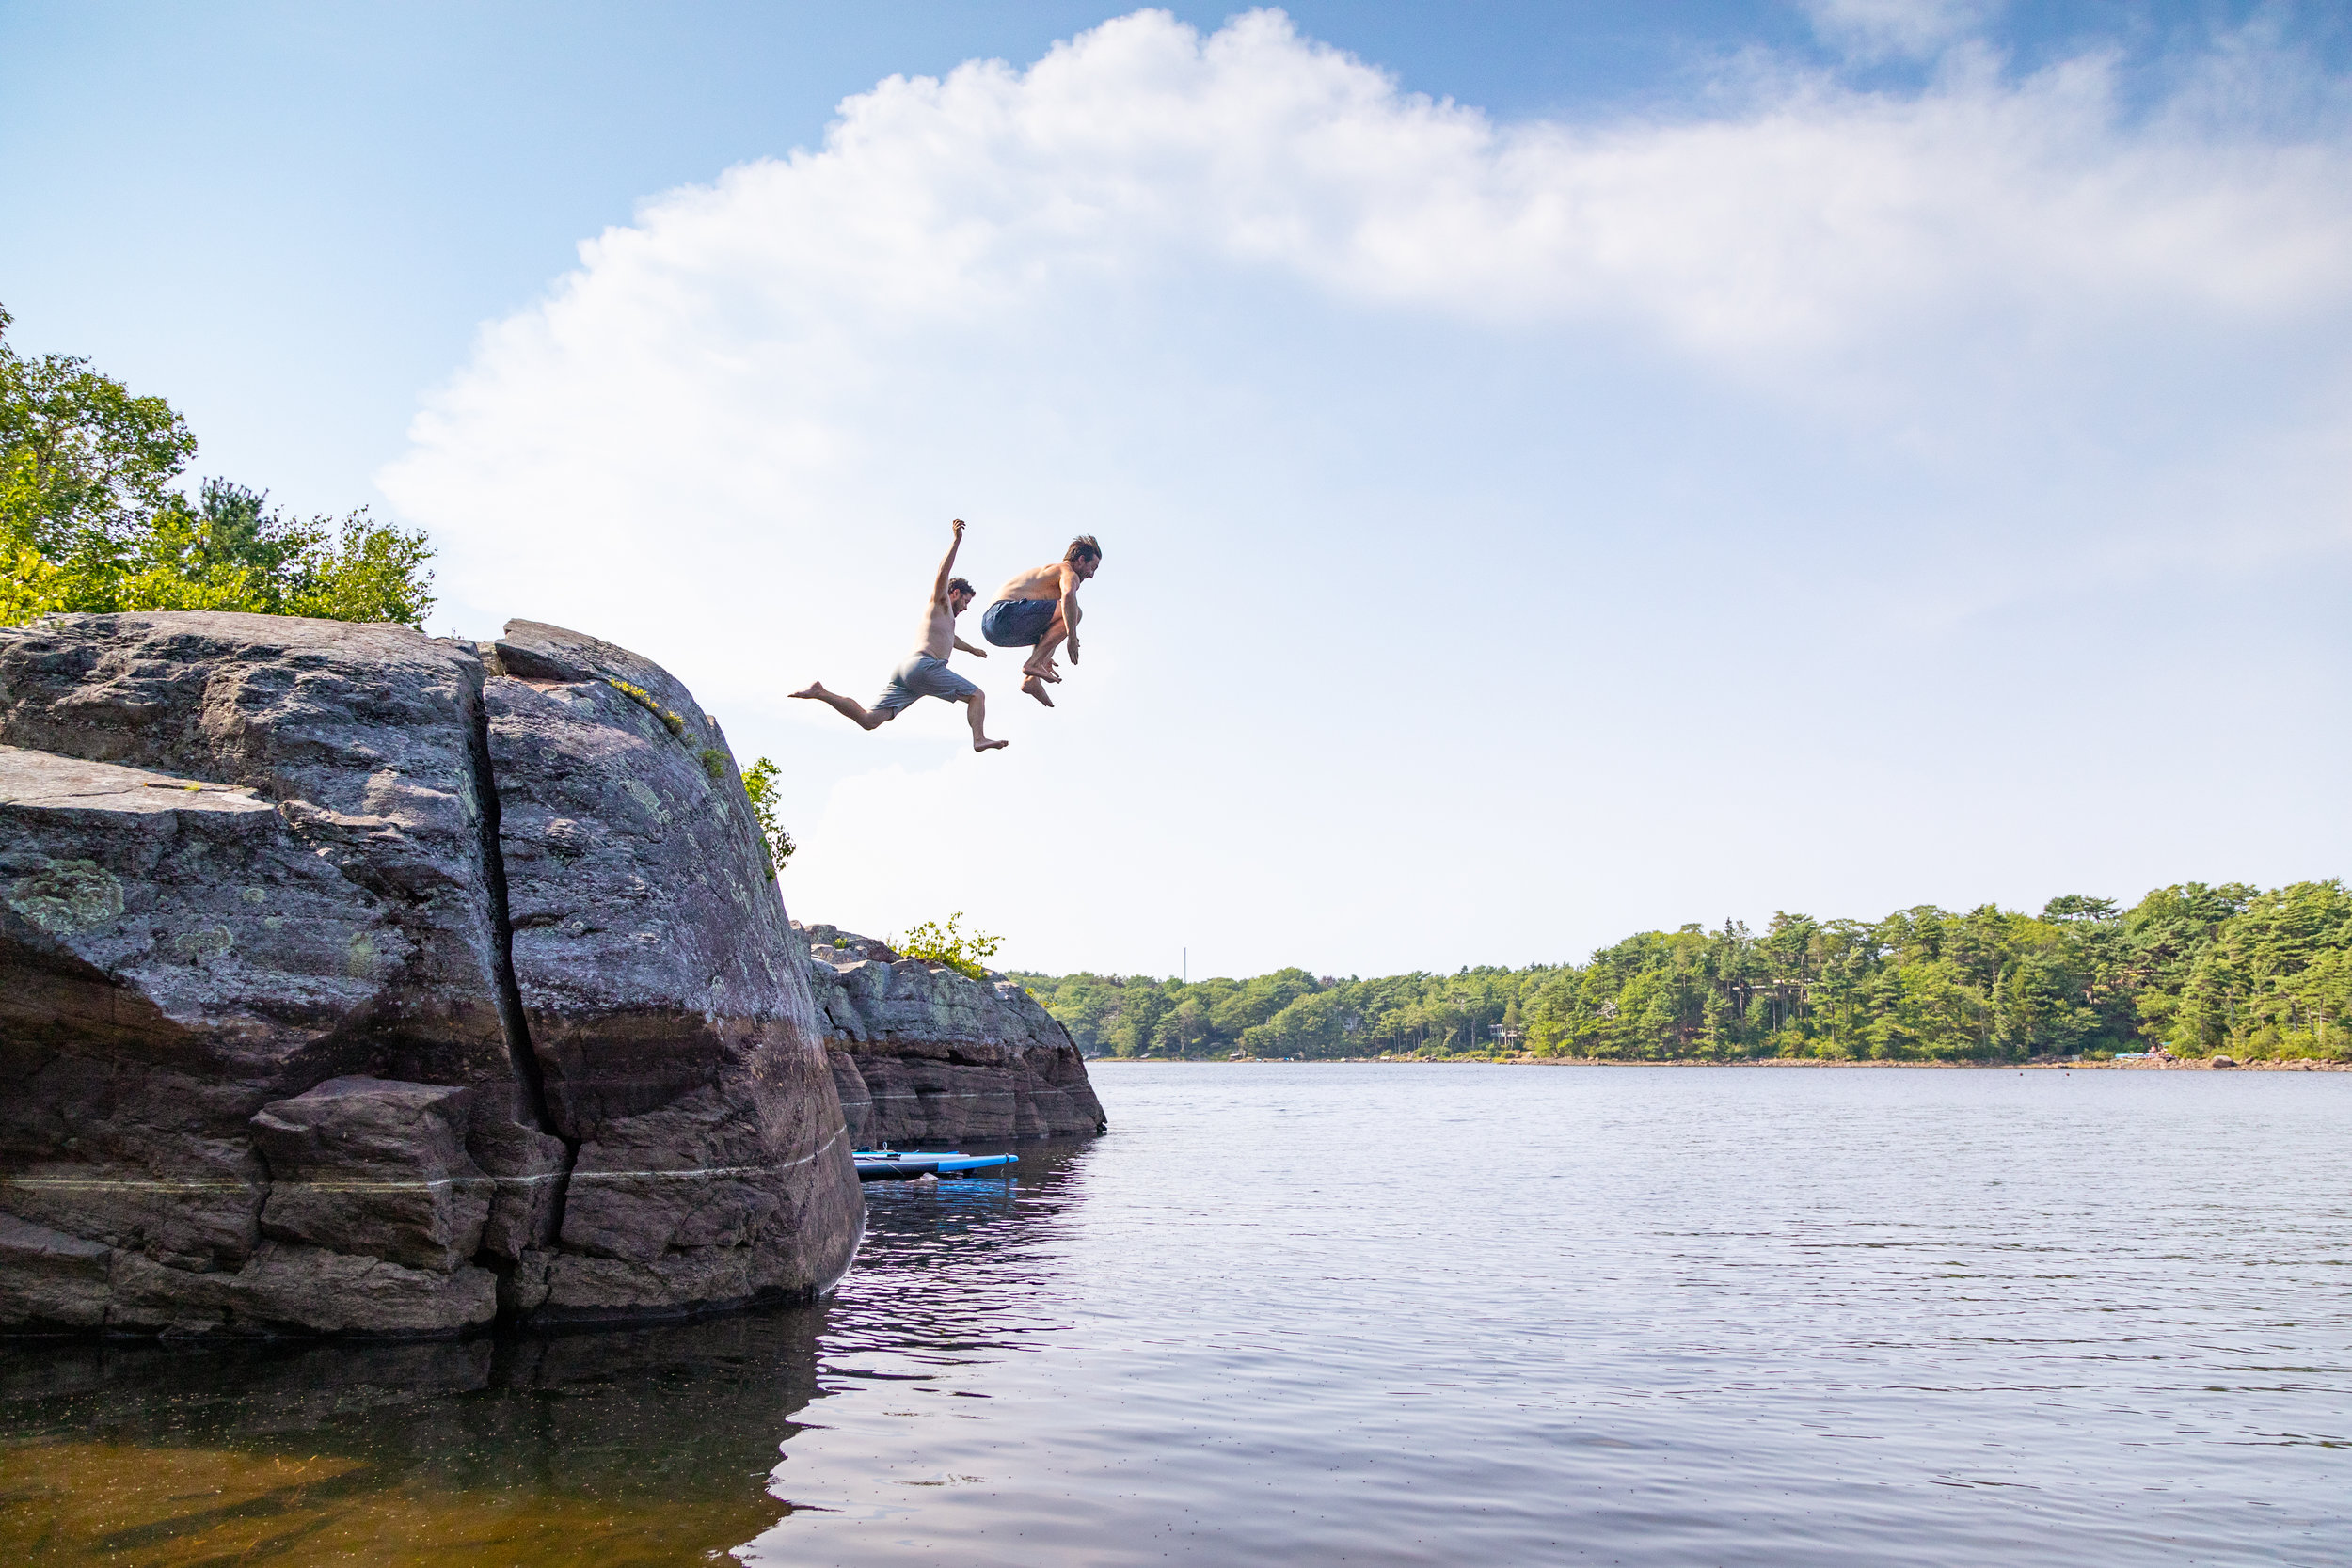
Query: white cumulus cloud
1302	346
1876	30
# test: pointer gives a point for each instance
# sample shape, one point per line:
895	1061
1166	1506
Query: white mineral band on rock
358	1184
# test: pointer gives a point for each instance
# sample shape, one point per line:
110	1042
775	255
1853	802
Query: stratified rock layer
265	1064
923	1055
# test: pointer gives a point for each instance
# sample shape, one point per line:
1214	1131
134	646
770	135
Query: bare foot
1044	672
1037	689
990	745
814	689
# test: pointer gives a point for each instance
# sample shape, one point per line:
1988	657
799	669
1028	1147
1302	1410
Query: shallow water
1380	1314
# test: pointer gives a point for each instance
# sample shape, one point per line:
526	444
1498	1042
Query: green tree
1139	1016
1182	1029
99	458
2165	935
2269	983
1083	1004
759	788
88	522
2035	1008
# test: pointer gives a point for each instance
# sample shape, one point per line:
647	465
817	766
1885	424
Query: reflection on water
648	1446
1380	1315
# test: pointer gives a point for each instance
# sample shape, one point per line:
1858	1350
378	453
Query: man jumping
1039	609
925	673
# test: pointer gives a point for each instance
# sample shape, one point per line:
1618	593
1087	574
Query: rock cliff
353	981
924	1054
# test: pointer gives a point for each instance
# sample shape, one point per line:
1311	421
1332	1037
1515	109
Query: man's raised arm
947	566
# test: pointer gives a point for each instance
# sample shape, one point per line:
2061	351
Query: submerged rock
923	1053
266	1063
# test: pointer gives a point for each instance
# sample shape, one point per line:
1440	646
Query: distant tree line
2195	969
90	521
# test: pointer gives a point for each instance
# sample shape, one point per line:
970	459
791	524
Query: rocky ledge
358	982
923	1053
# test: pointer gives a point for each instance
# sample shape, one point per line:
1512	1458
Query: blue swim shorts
1018	623
922	675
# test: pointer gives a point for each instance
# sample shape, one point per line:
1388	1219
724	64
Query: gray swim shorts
922	675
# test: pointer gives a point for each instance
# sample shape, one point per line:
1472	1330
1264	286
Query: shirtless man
1039	609
925	672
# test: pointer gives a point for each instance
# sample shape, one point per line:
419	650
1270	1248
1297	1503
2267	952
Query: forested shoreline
2194	969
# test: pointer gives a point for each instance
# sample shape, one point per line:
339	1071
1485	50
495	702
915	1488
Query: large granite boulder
363	742
923	1053
265	1060
662	988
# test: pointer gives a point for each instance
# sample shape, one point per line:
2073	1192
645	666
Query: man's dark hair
1082	548
959	585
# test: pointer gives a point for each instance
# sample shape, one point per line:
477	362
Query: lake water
1372	1314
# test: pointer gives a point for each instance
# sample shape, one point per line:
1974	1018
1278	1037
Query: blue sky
1707	459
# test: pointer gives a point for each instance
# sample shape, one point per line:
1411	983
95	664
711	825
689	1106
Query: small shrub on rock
950	946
